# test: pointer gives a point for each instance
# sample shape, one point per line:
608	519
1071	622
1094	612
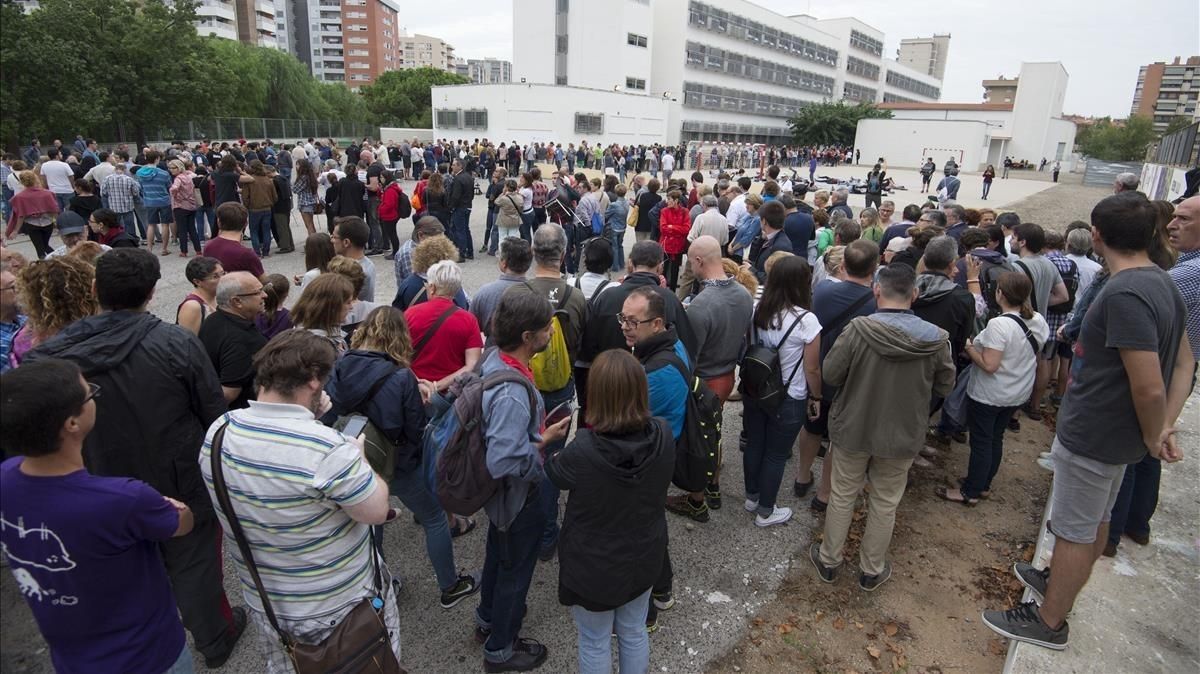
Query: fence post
243	121
264	128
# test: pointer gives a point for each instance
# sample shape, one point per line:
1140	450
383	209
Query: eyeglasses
252	294
631	322
93	392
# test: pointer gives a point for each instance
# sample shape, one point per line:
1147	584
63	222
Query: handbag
632	219
358	645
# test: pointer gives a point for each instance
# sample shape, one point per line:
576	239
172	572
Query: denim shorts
1084	492
157	215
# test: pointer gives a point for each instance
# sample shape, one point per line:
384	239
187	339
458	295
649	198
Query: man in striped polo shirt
305	496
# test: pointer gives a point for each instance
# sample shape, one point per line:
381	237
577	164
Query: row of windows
866	43
720	21
636	40
893	98
862	68
461	119
692	126
909	84
635	83
856	93
589	123
735	100
739	65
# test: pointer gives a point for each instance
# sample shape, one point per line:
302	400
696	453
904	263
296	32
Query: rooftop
983	107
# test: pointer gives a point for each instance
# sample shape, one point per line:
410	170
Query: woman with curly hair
428	252
322	306
54	293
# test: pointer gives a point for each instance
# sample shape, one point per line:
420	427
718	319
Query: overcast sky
1101	43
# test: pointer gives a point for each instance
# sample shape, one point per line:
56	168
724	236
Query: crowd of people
287	426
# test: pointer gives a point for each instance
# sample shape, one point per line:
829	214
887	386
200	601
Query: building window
635	83
356	15
866	43
636	40
589	123
854	92
358	77
862	68
749	67
447	119
909	84
475	119
893	98
356	27
697	95
358	40
737	27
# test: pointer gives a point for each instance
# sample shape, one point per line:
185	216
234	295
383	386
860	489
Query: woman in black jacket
436	200
373	379
351	194
614	532
646	201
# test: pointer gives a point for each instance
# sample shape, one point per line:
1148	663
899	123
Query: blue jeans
491	237
547	492
628	622
64	200
618	242
206	221
460	230
260	231
507	571
128	220
987	424
987	187
139	212
527	225
184	664
769	440
413	492
1137	500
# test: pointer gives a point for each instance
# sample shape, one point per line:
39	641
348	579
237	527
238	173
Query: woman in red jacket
673	225
393	207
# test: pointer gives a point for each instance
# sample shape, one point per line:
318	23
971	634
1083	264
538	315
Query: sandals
817	505
458	530
984	495
944	494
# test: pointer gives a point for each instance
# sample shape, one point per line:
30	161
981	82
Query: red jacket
389	203
673	226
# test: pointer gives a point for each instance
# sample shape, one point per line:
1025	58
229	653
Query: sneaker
683	505
712	496
1034	579
1047	464
231	637
651	622
959	437
466	586
871	583
1044	455
1024	623
825	573
663	601
527	655
751	505
777	516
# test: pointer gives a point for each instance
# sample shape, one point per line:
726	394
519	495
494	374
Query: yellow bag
552	368
632	218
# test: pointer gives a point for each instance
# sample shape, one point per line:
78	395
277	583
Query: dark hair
772	213
1077	224
744	182
1054	241
911	212
697	177
770	188
653	185
52	153
847	232
200	268
675	195
656	307
789	285
318	251
125	278
86	186
106	217
1125	221
646	254
518	313
276	286
292	359
36	399
773	171
896	281
597	255
618	399
516	254
1008	220
355	230
232	217
974	237
860	258
1016	287
1033	235
937	218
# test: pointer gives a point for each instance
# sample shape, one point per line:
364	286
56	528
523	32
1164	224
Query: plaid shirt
1186	274
122	192
403	261
1066	266
7	332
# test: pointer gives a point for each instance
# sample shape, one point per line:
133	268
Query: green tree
403	97
1117	142
832	123
1178	124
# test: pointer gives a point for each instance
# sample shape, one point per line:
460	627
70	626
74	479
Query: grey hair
708	201
1128	181
229	287
941	252
960	213
1079	242
549	245
446	276
842	194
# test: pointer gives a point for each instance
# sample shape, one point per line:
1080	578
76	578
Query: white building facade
733	72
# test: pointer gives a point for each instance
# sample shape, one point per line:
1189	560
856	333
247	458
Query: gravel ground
726	570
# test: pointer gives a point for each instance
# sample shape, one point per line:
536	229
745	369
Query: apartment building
484	71
1166	91
350	41
426	51
925	54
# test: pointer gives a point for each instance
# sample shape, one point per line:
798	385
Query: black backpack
761	375
698	449
989	276
1071	281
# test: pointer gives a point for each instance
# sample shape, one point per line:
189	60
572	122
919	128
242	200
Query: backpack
380	451
454	449
552	368
873	183
989	276
761	375
1071	281
698	449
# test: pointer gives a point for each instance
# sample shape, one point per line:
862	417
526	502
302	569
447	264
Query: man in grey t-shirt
1129	380
1028	240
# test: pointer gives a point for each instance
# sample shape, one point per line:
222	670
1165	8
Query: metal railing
1181	148
259	128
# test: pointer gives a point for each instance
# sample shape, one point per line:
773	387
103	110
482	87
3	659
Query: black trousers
194	566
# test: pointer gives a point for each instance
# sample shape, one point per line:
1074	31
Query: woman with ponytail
1005	355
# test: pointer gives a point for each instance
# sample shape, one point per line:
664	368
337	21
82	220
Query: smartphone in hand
559	413
355	426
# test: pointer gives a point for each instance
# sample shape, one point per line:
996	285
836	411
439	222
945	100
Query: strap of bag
1028	335
841	318
433	329
783	340
374	390
1033	292
418	297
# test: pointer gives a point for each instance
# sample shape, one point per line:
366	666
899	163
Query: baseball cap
70	222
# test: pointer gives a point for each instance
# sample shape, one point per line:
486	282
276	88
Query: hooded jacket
160	395
396	408
156	185
602	332
614	532
886	365
943	303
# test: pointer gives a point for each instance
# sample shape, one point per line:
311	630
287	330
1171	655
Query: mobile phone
355	426
559	413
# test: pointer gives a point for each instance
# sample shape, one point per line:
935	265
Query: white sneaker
1044	455
750	506
1047	463
778	516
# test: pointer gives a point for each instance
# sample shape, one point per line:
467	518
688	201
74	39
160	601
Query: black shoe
800	489
683	505
959	437
547	553
871	583
231	637
1024	623
1014	424
1034	579
482	634
527	655
712	496
466	586
817	505
825	573
284	251
1034	413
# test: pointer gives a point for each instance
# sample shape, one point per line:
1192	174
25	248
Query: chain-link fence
258	128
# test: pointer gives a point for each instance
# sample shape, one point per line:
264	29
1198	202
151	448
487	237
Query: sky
1101	47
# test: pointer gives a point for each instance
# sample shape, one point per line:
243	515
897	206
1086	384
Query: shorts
157	215
1064	350
1084	493
820	425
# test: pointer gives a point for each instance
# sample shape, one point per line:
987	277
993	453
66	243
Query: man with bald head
231	338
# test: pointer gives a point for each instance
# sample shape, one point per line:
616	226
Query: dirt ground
949	562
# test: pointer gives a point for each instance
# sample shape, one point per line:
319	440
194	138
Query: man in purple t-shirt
227	245
84	549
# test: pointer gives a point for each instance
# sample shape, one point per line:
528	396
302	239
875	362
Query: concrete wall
1043	86
904	142
387	133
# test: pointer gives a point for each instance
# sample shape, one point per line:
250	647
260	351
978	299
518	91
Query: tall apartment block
484	71
425	51
350	41
925	54
1166	91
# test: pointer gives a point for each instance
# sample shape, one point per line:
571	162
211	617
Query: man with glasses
887	210
11	318
232	339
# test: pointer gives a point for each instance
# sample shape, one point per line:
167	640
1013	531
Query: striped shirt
289	478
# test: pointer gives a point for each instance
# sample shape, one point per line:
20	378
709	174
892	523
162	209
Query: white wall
904	142
1040	94
999	121
533	41
546	113
387	133
598	53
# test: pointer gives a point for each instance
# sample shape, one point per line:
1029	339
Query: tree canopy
1117	142
832	123
402	97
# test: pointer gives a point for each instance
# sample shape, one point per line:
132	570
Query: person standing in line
156	198
58	177
1054	171
183	206
989	174
231	338
1028	240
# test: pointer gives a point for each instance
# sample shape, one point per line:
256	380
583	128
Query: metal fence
1181	148
1099	173
258	128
